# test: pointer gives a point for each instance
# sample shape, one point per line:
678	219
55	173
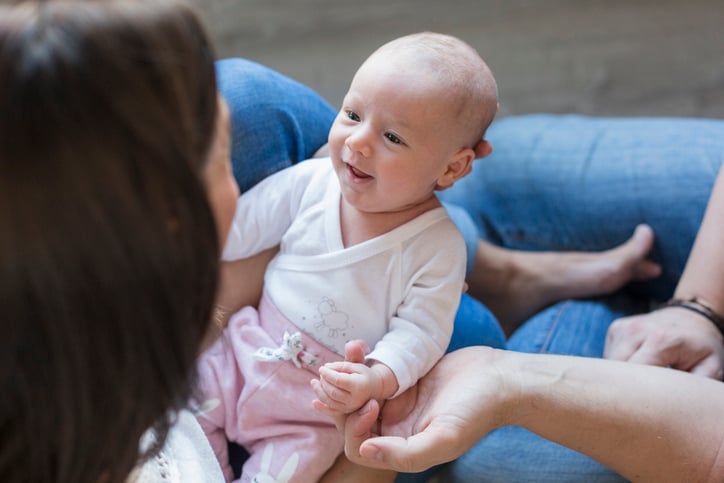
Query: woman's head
108	252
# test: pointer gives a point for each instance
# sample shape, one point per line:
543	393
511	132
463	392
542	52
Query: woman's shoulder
186	456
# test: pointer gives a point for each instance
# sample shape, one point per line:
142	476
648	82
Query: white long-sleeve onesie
399	291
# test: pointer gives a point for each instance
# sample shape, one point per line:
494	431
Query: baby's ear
459	165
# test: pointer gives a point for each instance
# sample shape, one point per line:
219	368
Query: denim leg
466	225
580	183
575	327
276	121
475	325
515	454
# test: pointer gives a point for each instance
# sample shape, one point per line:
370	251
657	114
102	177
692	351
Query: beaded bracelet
696	305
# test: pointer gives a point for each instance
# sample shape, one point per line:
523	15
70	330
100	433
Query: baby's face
392	138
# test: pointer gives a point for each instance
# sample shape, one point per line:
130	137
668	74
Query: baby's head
445	68
412	121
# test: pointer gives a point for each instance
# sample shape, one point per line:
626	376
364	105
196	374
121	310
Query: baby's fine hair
471	86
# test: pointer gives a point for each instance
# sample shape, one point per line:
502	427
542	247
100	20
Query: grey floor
599	57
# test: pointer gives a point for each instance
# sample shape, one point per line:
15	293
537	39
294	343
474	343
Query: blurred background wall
598	57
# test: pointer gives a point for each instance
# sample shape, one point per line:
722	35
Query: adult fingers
621	344
409	455
323	394
646	270
709	367
358	427
325	409
334	397
647	354
356	350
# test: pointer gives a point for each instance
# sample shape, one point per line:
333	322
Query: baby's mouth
357	173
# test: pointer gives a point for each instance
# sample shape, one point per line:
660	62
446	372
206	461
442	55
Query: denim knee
275	121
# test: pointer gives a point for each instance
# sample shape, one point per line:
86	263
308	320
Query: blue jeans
552	183
275	121
581	183
576	183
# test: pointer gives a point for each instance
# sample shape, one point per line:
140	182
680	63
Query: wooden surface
600	57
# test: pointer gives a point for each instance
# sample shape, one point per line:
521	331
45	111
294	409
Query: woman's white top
186	457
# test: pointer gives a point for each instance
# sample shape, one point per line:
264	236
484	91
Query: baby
367	252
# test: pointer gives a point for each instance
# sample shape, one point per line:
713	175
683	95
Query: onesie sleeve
420	331
265	212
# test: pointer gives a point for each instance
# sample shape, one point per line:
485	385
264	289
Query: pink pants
265	406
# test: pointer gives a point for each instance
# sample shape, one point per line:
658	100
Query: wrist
699	306
513	386
387	382
535	387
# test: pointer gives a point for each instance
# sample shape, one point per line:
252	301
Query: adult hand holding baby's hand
466	395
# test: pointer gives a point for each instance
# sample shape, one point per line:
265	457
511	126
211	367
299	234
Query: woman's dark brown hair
108	250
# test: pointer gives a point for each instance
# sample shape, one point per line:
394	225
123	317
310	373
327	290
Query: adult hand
673	337
563	398
435	421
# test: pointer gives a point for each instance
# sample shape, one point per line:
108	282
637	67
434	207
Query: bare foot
515	285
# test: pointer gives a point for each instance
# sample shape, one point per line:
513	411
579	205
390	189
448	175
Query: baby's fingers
334	392
317	388
336	401
326	393
324	409
341	380
347	367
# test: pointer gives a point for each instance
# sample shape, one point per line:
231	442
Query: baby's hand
344	387
354	352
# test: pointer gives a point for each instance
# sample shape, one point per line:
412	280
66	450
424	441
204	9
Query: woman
116	194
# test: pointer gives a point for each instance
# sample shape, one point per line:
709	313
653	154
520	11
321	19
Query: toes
647	270
644	238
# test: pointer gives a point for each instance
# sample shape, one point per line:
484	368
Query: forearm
703	276
242	282
647	423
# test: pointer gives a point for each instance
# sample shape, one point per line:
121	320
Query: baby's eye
353	116
392	138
